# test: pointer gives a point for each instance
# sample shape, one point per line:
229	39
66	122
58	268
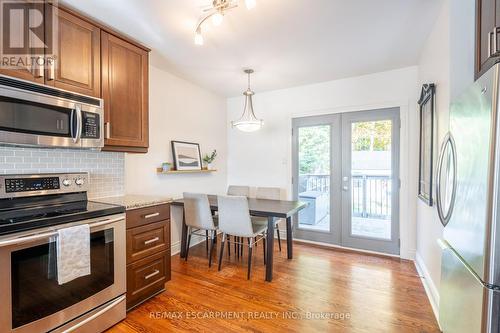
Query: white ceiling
287	42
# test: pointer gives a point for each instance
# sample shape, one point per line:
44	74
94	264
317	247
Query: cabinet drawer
147	215
147	277
146	240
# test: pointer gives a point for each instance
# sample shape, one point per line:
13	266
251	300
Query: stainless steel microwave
37	115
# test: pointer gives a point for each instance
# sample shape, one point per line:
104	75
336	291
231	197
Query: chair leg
279	237
222	250
206	240
236	247
249	260
264	249
255	241
214	235
229	246
241	246
188	242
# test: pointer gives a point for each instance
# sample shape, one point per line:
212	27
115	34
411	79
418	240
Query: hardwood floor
344	291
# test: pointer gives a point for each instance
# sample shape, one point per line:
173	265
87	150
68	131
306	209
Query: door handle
345	188
71	124
448	142
36	237
78	111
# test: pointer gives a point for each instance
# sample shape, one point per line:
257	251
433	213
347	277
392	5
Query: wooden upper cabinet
30	73
125	94
487	35
93	60
77	52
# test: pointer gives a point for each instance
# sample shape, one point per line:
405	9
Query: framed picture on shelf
187	155
426	151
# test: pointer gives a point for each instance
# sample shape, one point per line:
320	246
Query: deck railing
371	194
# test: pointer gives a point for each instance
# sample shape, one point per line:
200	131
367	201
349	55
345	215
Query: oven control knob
79	181
66	182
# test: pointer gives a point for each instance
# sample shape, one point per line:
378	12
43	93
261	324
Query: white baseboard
408	254
334	246
429	286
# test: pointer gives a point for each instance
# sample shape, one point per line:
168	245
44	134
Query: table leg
183	236
270	248
289	238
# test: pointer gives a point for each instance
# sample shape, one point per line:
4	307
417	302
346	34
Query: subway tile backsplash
107	169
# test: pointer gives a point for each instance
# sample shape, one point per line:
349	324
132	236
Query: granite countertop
132	201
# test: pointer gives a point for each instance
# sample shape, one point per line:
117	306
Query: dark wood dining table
270	209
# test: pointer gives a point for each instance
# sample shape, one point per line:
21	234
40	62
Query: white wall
434	67
448	61
179	110
462	45
263	158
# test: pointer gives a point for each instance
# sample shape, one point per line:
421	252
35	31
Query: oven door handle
27	239
97	314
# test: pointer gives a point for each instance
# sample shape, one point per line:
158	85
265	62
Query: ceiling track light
216	12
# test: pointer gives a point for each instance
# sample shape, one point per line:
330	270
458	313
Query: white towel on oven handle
73	253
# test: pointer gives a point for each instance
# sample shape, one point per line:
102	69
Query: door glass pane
371	183
314	177
35	290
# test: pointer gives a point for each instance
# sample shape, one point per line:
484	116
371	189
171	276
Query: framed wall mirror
426	138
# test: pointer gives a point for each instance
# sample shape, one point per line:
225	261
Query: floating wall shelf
171	172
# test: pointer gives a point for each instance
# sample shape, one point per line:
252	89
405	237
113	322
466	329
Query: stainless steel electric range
32	209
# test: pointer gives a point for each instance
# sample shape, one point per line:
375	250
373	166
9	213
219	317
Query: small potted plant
166	166
209	159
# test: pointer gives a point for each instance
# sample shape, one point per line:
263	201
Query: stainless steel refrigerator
467	193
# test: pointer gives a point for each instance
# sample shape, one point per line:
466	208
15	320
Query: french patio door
346	167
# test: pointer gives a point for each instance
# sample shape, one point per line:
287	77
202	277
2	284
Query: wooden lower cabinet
147	277
148	253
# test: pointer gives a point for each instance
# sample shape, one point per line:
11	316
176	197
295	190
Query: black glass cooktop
32	214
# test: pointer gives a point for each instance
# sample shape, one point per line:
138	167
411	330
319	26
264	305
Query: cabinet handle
495	41
490	37
38	70
52	70
149	276
493	50
107	134
152	240
151	215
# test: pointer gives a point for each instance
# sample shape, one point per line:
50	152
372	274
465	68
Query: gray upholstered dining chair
271	193
198	217
235	219
243	191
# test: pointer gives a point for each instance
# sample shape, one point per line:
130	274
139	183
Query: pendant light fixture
248	121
